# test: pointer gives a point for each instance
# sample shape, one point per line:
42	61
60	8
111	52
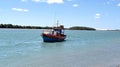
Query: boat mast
57	23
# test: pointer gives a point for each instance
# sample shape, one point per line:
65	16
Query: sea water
25	48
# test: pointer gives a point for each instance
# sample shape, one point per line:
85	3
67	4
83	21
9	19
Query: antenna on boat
57	23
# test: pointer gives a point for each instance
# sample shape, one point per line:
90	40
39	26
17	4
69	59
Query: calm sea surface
25	48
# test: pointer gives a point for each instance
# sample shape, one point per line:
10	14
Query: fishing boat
54	35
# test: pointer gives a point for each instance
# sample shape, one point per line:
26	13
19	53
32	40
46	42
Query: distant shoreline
11	26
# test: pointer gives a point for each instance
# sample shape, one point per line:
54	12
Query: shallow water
25	48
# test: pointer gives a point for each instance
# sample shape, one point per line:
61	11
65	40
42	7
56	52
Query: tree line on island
23	27
39	27
81	28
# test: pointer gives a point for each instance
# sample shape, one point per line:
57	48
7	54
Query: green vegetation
81	28
22	27
39	27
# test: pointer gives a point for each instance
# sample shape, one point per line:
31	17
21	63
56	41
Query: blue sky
100	14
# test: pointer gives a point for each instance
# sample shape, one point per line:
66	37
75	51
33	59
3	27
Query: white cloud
118	4
69	0
97	15
113	2
38	0
25	10
20	9
50	1
101	29
24	0
54	1
75	5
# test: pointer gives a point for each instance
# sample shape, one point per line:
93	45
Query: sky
99	14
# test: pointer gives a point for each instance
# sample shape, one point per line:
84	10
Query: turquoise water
25	48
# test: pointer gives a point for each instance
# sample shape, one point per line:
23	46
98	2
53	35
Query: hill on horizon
81	28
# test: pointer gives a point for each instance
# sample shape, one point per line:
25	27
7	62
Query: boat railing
48	31
51	32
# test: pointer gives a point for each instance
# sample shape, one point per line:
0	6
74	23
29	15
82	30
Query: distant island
39	27
81	28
